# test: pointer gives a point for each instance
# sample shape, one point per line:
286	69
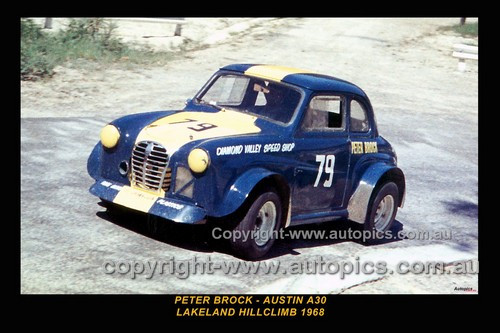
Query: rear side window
324	113
359	117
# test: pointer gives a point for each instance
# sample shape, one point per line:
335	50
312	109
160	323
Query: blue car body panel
268	150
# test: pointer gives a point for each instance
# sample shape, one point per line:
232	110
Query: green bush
83	38
93	37
468	29
36	60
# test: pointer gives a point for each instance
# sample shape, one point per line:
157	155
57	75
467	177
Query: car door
323	156
361	130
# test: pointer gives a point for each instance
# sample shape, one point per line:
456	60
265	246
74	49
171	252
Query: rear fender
378	173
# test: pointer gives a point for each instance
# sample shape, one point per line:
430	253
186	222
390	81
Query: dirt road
424	107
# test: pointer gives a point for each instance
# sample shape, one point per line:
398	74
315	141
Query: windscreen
265	99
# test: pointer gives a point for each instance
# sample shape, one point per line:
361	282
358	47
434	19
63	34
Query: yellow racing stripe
176	130
276	73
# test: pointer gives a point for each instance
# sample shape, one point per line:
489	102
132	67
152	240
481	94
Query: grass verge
466	30
92	39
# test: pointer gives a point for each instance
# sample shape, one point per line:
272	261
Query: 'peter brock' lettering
360	147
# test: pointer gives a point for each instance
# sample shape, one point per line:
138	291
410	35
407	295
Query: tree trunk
178	30
48	23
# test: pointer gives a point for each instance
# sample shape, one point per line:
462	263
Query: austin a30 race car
269	146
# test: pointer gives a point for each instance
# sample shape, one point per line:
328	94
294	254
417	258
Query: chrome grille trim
149	166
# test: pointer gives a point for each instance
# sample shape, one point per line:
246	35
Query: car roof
299	77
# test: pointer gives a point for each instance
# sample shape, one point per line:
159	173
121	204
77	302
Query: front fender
94	161
103	163
357	207
239	191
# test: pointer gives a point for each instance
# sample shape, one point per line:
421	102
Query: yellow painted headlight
198	160
109	136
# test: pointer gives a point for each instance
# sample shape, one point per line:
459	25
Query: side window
359	118
261	91
324	113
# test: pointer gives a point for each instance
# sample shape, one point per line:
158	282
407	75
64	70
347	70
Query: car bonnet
176	130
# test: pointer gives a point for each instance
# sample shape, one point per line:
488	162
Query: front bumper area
170	209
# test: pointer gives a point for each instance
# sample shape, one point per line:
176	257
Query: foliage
468	29
91	38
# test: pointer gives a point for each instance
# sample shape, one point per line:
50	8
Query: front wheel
257	229
382	211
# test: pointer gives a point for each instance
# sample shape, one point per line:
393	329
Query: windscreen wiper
203	102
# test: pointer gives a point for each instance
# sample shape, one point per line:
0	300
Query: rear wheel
257	228
382	211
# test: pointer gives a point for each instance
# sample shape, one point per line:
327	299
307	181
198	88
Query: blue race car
261	147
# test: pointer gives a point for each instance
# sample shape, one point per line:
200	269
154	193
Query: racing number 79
326	162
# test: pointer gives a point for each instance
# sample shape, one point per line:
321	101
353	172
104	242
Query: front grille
150	166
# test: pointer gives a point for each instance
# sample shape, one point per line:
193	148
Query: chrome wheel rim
265	223
383	214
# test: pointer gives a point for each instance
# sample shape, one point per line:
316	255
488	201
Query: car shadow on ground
328	233
200	238
189	237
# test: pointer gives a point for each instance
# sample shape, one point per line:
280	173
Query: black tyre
259	223
382	211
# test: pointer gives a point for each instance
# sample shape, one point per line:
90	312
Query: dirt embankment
388	55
